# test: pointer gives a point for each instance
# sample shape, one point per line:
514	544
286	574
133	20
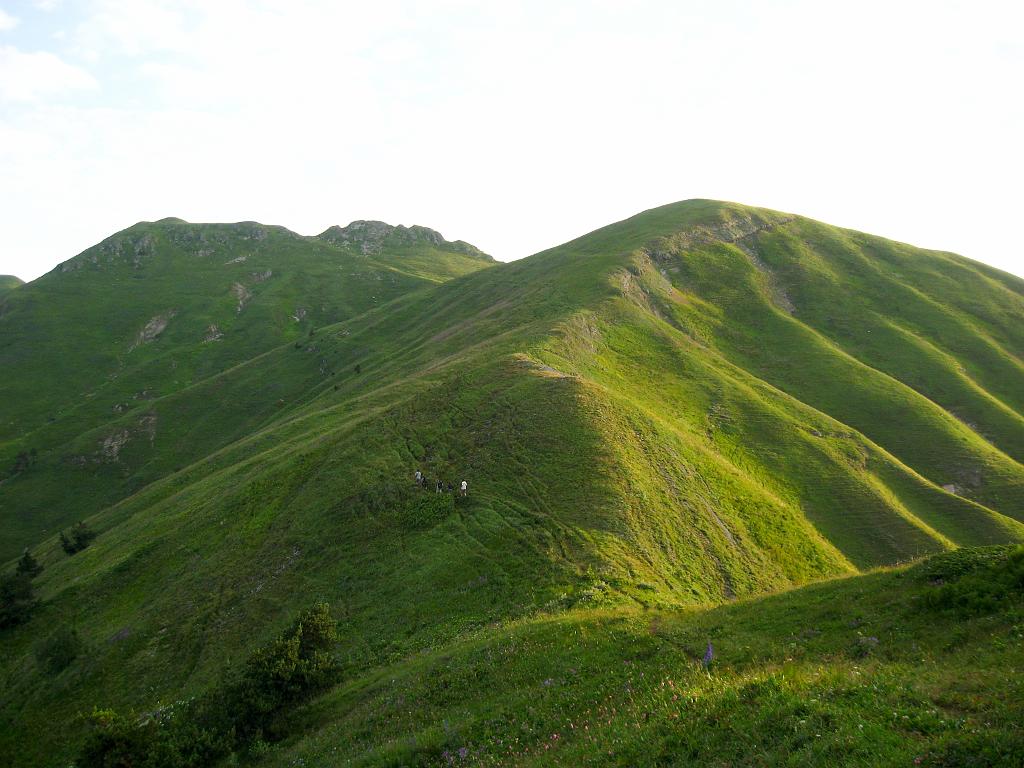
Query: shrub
55	653
284	672
235	714
16	599
81	537
978	582
113	741
28	565
426	510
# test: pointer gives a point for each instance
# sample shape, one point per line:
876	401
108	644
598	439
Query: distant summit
9	283
372	236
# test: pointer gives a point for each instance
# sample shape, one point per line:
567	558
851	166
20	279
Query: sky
512	125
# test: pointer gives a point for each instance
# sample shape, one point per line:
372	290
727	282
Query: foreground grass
860	671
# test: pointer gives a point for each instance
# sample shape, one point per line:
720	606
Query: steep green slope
153	310
653	414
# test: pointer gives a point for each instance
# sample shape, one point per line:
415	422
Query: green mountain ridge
155	309
9	283
702	403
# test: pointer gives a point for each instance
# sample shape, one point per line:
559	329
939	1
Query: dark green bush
976	582
949	566
55	653
237	713
28	565
16	599
81	537
426	510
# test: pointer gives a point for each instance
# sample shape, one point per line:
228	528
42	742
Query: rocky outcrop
153	328
241	293
370	237
172	237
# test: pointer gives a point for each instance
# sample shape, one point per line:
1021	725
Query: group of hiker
440	486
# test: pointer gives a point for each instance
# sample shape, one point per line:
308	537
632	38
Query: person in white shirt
464	488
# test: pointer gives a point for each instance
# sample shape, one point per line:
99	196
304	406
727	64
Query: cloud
312	112
28	76
7	21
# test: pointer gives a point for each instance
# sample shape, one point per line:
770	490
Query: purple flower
463	753
709	654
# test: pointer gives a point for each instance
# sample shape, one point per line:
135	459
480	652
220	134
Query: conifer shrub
17	599
28	565
233	716
81	537
56	652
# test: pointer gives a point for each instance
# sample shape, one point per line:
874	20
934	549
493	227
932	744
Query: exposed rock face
147	426
371	236
131	247
153	328
111	445
166	237
213	333
198	237
243	295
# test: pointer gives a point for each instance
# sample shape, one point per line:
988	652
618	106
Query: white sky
515	126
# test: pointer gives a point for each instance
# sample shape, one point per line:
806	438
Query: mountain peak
9	282
371	236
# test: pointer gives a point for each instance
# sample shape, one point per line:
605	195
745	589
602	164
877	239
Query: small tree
28	565
16	599
288	669
237	713
56	652
114	740
23	461
81	537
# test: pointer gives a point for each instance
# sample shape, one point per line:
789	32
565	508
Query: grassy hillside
903	667
702	403
89	349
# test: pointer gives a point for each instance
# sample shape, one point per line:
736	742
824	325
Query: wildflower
709	655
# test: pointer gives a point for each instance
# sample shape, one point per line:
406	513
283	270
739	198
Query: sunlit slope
165	304
88	349
645	415
920	352
853	672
